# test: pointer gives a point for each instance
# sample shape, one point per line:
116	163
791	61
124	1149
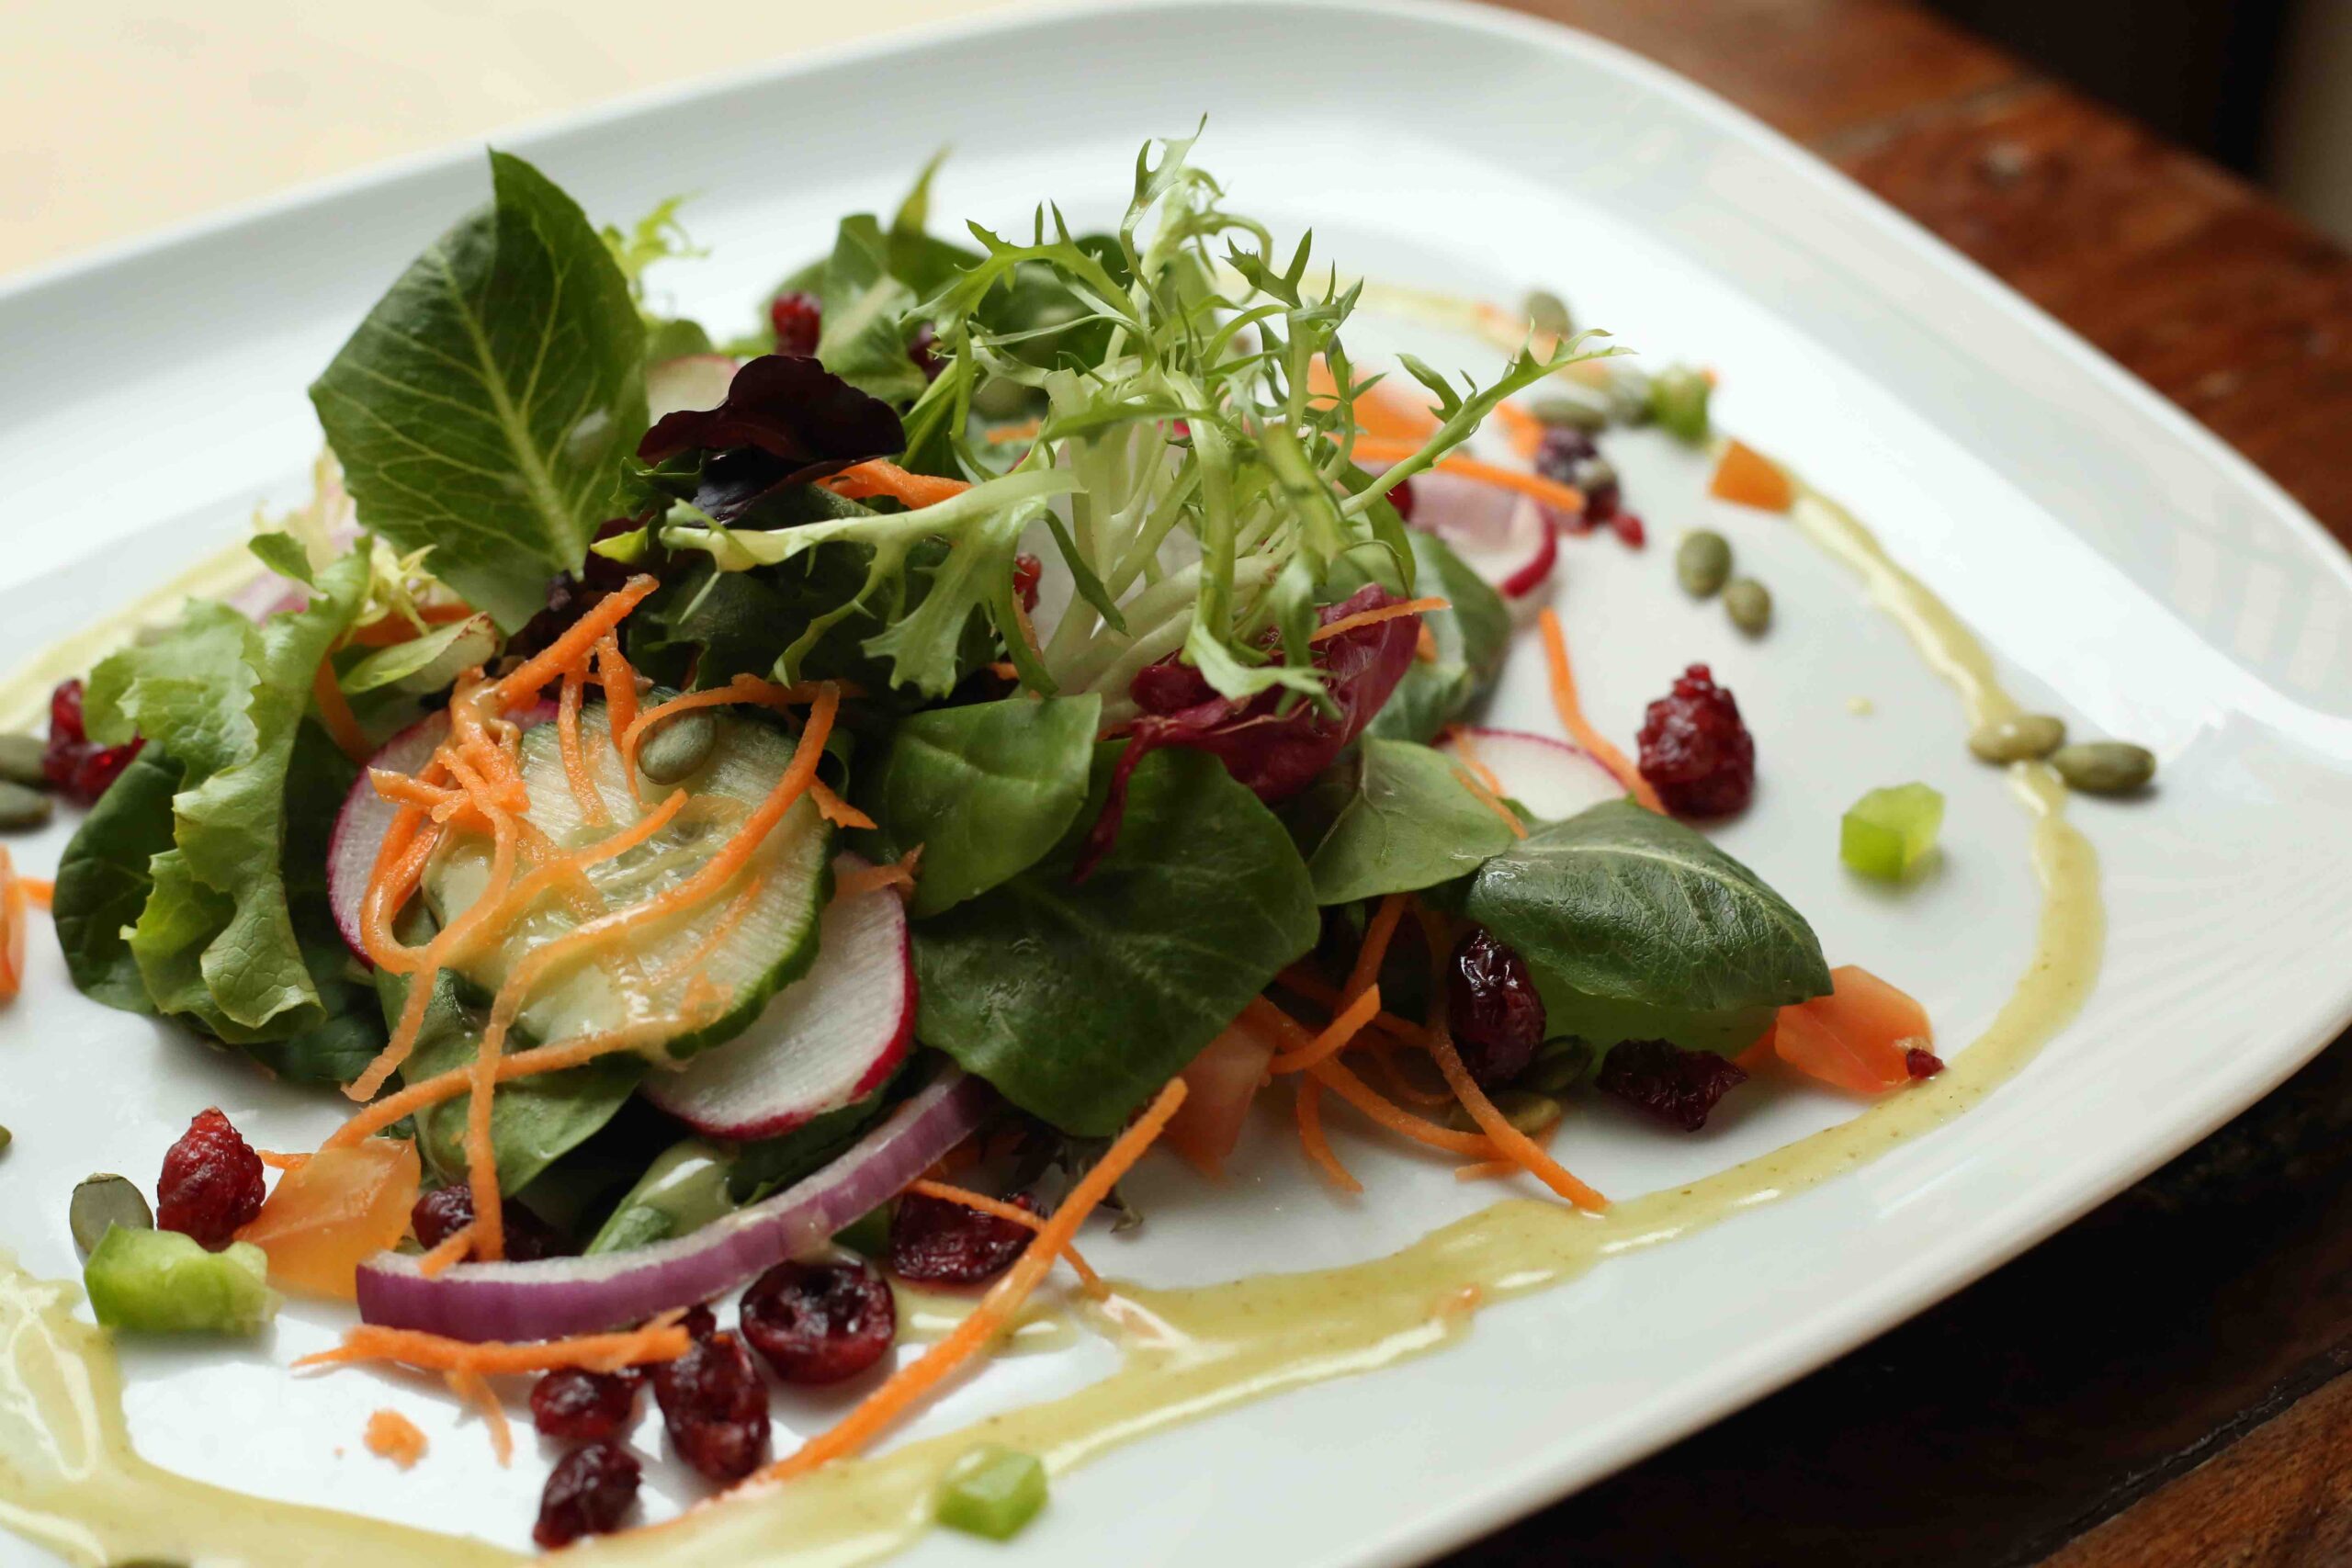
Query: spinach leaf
1078	1000
1603	1024
483	407
864	340
986	790
103	882
1472	640
1392	816
1625	905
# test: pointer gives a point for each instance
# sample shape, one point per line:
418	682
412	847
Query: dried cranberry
939	1242
1491	1008
700	1322
797	318
1670	1083
1695	751
1562	448
211	1183
716	1407
819	1322
76	769
1028	573
589	1492
924	353
582	1406
1401	497
1570	457
1628	529
1922	1063
65	712
444	1212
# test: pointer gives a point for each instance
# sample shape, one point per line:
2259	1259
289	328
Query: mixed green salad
794	809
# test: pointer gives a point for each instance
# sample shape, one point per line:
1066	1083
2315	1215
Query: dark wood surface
2169	1380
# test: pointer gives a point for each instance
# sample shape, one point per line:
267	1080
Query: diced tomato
335	1212
1857	1037
1745	476
1219	1085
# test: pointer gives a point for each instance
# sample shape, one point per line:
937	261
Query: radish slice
826	1040
563	1296
1551	778
1502	536
692	381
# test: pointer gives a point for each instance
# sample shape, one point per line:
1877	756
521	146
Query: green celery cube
163	1282
992	1492
1889	832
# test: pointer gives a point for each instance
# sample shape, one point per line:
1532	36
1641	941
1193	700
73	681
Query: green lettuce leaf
864	340
104	881
483	407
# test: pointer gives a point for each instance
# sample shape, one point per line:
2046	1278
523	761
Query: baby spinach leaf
986	790
103	882
1625	905
1078	1000
1603	1024
1472	639
484	405
1392	816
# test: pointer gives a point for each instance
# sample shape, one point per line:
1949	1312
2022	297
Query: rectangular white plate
2128	571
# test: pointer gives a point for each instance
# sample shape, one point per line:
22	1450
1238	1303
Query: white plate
2128	570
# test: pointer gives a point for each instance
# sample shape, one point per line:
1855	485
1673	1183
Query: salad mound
774	815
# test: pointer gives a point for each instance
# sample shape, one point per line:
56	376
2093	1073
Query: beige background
119	116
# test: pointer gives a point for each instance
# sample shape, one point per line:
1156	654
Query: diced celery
1890	830
992	1492
163	1282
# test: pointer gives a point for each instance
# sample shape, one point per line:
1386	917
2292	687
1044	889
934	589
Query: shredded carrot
572	648
909	1384
1315	990
38	891
1750	479
615	673
1489	1169
400	863
1378	411
277	1161
451	1249
472	742
1551	493
1377	1046
564	866
575	757
982	1203
742	689
997	435
1580	728
475	1390
1425	645
1330	629
400	789
335	714
836	811
899	873
1336	1037
862	482
1514	1144
1490	798
1762	1053
393	1436
1457	740
1377	934
1525	431
661	1340
1307	1102
1335	1077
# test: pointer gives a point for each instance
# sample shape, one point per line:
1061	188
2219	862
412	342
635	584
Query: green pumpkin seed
1547	313
2028	738
1702	562
1629	398
1530	1112
677	747
103	1202
22	807
2104	767
998	398
1577	413
1749	605
20	761
6	1137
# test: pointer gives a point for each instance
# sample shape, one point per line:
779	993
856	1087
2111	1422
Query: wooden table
2170	1380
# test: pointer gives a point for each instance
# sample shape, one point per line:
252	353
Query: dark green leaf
1625	905
1472	639
864	340
104	881
1393	817
1079	999
986	790
483	407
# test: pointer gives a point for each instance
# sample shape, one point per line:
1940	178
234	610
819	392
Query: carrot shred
1377	934
1489	1169
400	863
1425	645
452	1248
1379	412
899	873
661	1340
1336	1078
335	713
1336	1036
1491	799
575	758
1551	493
1379	1046
572	648
1745	476
1456	739
604	849
400	789
997	435
618	678
1330	629
1524	429
1580	728
393	1436
742	689
911	1382
1307	1102
836	811
1402	1029
862	482
982	1203
38	891
277	1161
1514	1144
475	1390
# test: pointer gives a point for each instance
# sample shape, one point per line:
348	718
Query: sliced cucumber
680	963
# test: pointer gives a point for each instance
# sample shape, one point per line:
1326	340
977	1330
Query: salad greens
1393	817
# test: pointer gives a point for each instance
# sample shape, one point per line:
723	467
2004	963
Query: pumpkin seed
1523	1108
103	1202
2104	767
1702	562
6	1137
1749	605
1629	397
22	807
677	747
1547	313
2027	737
998	398
1574	413
20	761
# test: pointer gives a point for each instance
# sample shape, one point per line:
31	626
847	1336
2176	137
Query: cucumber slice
746	951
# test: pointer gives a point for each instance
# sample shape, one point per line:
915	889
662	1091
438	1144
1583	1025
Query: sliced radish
825	1040
1551	778
1502	536
1220	1084
691	381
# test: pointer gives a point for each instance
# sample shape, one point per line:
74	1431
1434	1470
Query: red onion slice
564	1296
